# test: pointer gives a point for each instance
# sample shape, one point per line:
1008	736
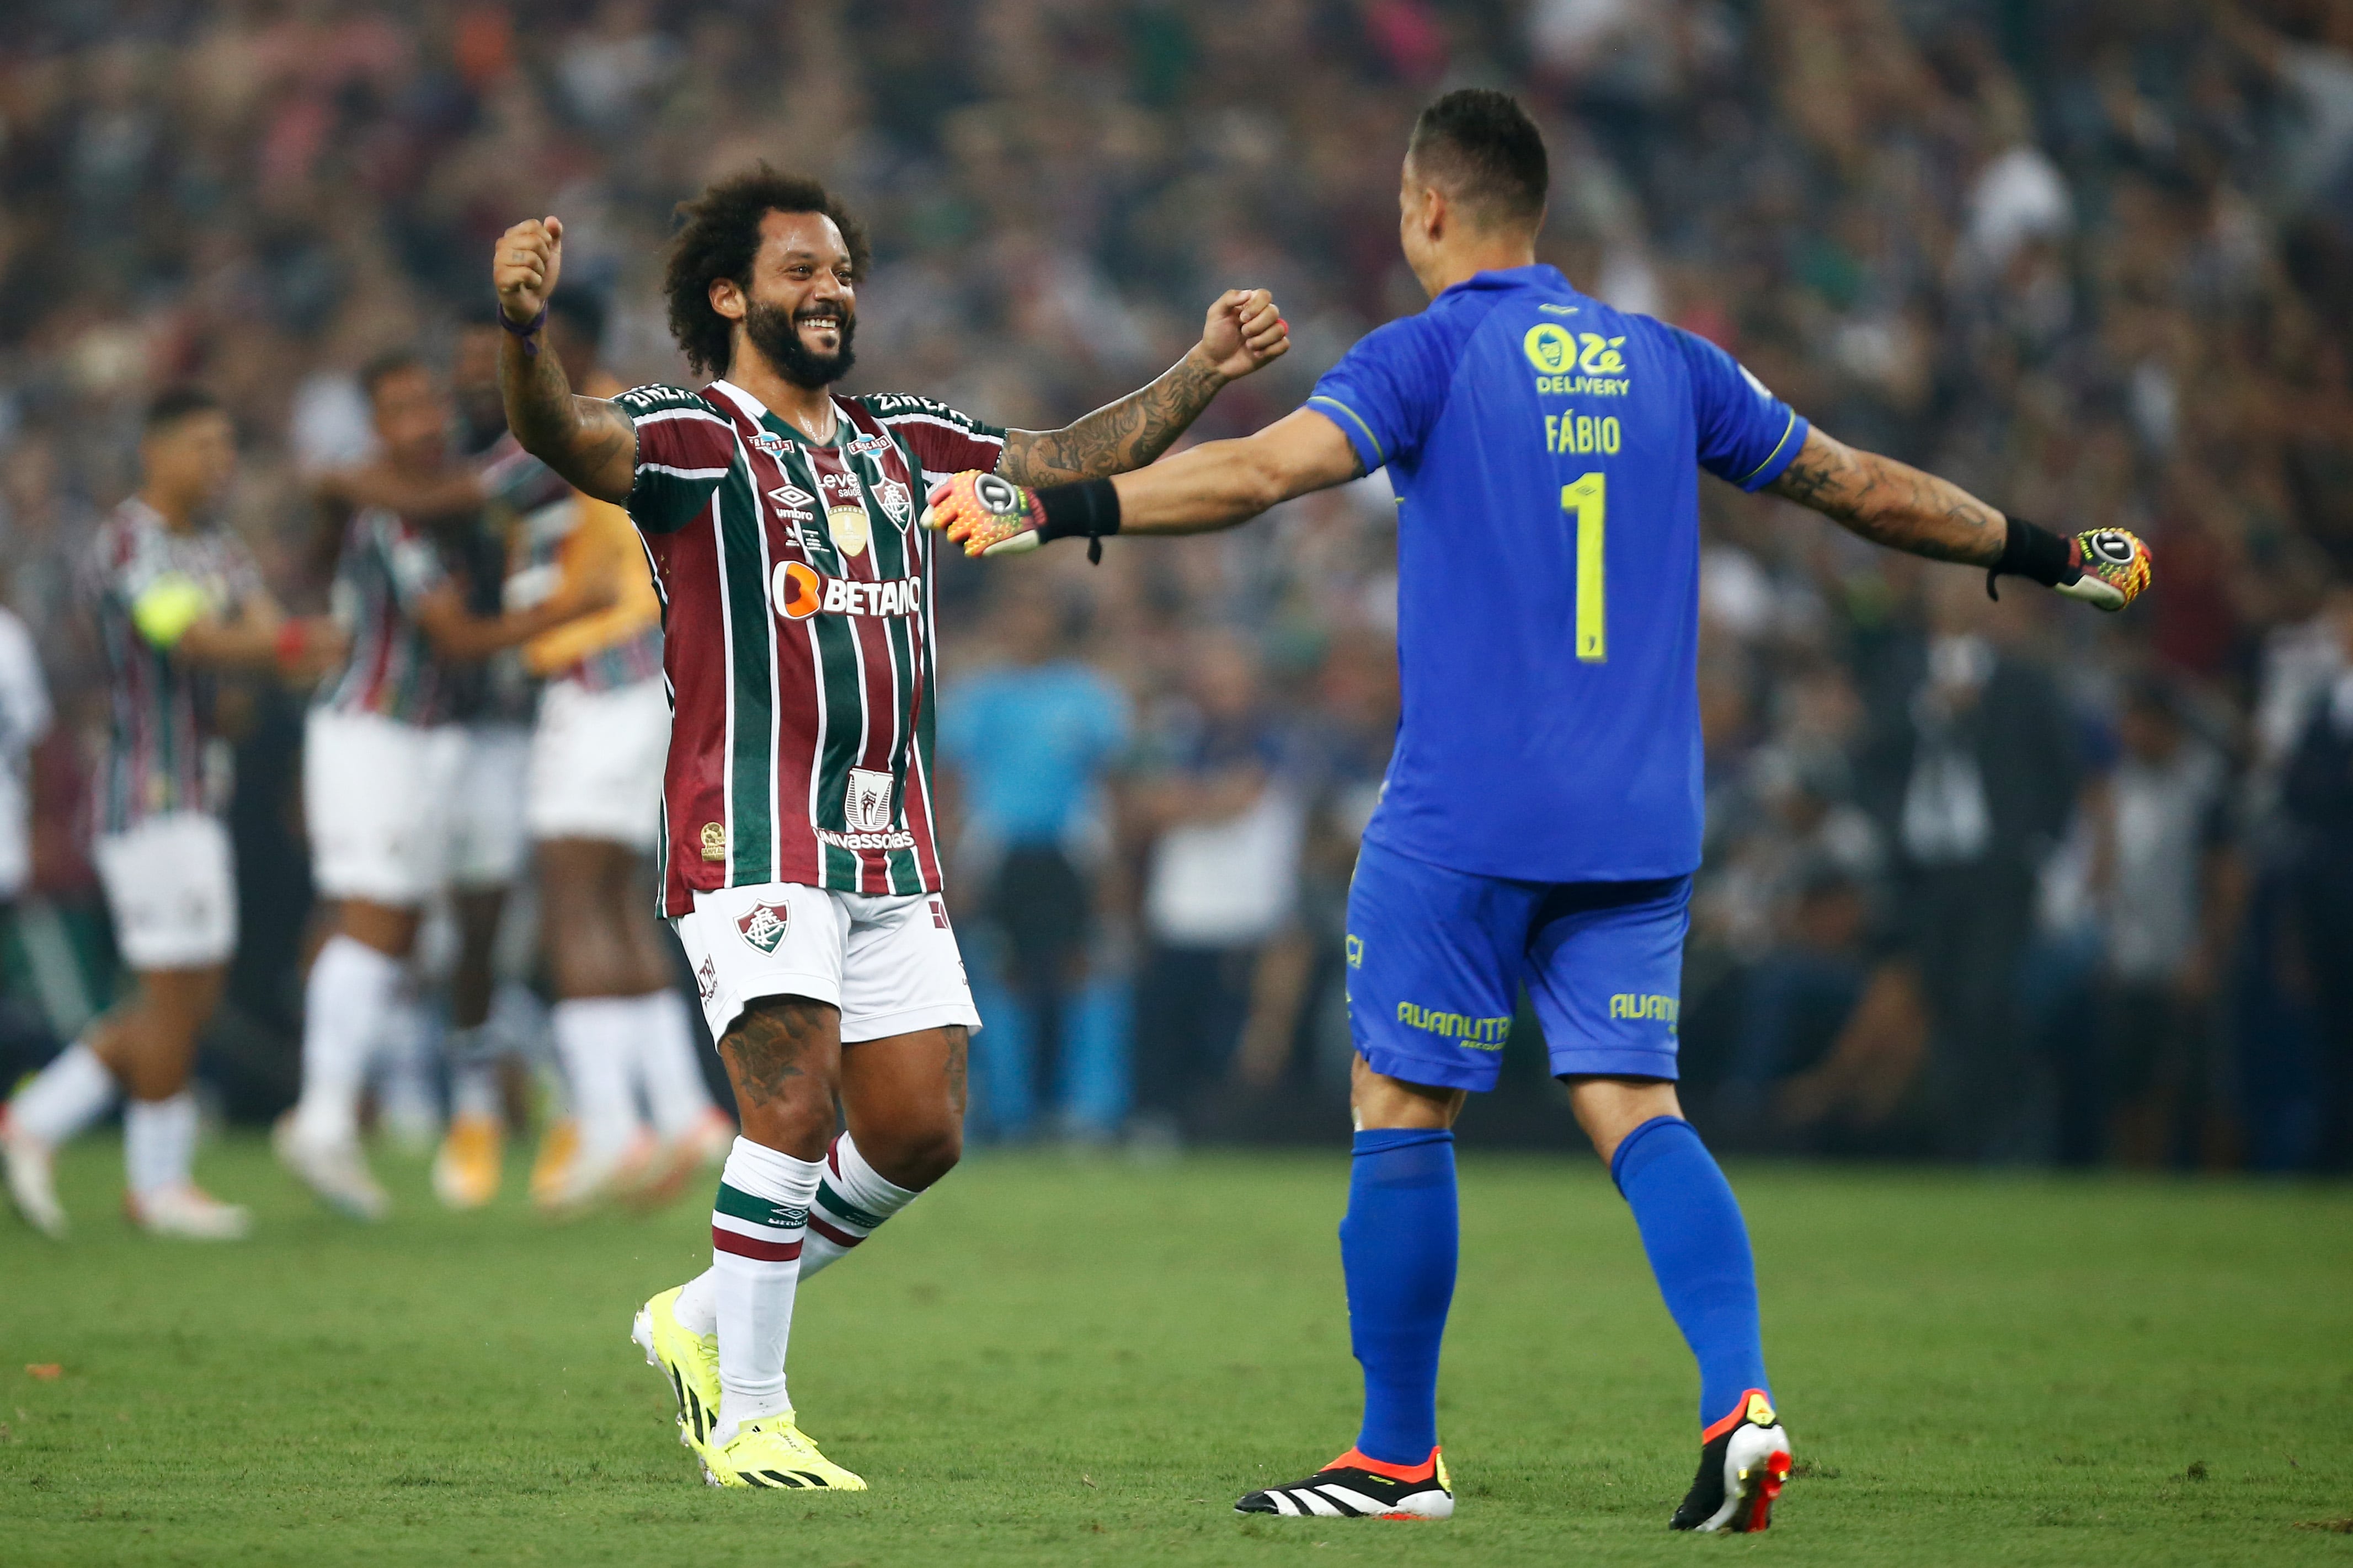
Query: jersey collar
759	414
1537	275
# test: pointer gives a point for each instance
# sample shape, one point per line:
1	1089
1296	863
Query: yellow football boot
558	1147
466	1167
687	1362
773	1452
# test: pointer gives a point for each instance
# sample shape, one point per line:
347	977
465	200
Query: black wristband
528	332
1089	508
2032	552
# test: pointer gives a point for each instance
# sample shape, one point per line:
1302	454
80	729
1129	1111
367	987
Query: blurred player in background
382	756
175	597
25	714
1541	817
594	811
800	866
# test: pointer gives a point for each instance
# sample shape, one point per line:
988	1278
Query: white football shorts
377	793
487	842
171	884
596	761
889	962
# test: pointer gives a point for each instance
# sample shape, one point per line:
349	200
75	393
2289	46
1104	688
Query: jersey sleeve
684	451
1747	436
1387	391
945	440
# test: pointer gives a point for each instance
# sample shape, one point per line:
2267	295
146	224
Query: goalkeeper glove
2106	568
988	514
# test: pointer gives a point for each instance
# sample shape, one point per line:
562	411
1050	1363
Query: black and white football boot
1743	1461
1356	1486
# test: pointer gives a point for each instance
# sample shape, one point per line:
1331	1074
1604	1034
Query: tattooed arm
1892	503
1244	332
587	440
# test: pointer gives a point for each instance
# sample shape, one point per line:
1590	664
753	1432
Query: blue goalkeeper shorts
1436	959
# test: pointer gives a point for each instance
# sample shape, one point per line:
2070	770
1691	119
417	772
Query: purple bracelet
528	332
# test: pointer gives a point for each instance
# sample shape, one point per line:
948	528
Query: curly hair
719	235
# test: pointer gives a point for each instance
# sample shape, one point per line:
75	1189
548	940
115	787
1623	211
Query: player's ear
727	298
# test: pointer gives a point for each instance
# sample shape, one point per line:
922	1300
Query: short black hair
175	404
385	366
581	311
719	235
1480	146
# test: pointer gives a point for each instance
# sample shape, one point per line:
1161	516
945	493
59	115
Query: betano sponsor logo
800	591
1479	1034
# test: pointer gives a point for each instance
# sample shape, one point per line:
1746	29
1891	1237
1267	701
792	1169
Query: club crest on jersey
898	504
866	804
714	841
763	925
848	529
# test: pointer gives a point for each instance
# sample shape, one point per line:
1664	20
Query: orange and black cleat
1743	1461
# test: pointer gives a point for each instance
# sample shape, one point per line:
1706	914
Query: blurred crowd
1984	881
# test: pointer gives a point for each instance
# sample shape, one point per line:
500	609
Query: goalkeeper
1541	818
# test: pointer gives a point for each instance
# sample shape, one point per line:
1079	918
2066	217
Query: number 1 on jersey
1588	499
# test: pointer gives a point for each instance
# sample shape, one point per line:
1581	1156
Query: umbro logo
790	496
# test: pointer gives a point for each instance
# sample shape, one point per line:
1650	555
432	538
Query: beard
776	332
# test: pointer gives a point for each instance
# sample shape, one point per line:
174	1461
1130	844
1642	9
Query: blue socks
1698	1248
1397	1246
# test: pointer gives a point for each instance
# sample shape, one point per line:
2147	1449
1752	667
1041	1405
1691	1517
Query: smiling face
801	309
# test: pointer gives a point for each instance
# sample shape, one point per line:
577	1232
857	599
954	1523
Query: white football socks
852	1199
667	1072
592	1039
64	1098
159	1144
757	1224
346	1008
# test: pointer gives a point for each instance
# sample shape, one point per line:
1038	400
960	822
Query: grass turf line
1058	1362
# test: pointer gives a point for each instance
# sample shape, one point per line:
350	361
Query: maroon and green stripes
755	1227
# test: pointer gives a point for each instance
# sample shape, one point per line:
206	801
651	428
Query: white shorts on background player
378	794
596	761
171	885
889	962
487	842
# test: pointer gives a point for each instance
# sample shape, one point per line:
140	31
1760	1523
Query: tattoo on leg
768	1042
959	1040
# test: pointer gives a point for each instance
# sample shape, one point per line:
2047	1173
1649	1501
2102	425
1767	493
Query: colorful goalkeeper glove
988	514
2106	568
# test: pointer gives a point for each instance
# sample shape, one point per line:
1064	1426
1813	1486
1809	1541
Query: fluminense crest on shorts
763	925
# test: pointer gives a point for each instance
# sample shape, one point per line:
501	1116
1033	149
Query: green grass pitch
1056	1360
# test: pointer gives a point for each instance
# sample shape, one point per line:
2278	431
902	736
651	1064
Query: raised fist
1244	331
524	267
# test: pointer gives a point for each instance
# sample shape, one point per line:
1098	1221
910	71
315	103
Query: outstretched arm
1244	331
1216	485
1897	505
587	440
1893	503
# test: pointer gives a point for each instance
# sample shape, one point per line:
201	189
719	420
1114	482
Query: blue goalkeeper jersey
1546	453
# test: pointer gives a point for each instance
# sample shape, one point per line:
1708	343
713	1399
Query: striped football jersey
388	565
551	529
796	591
161	752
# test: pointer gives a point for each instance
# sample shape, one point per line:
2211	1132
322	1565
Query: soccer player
382	757
799	868
594	811
176	598
1541	818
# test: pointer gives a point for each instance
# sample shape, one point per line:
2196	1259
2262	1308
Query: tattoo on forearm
1114	438
771	1044
1892	503
585	439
